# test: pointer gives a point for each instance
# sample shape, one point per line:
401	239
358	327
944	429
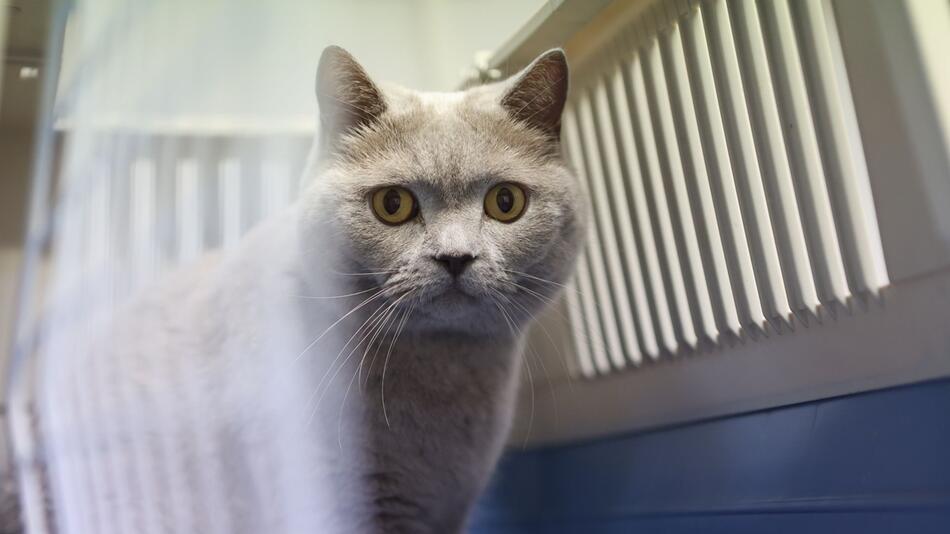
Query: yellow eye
393	205
505	202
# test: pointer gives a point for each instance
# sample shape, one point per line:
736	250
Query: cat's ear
347	97
537	95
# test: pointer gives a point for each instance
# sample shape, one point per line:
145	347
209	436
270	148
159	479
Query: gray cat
355	359
494	217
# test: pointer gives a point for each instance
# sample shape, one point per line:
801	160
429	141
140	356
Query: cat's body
335	373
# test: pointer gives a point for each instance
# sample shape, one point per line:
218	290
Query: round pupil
505	200
391	201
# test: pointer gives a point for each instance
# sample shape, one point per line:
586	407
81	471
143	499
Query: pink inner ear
538	96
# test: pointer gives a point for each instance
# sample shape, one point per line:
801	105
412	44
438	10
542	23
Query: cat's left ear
348	98
539	92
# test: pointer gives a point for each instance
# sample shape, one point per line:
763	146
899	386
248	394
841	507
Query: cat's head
460	204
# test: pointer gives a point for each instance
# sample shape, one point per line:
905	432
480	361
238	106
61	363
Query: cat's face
459	203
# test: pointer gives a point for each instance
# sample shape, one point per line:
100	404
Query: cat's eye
505	202
393	205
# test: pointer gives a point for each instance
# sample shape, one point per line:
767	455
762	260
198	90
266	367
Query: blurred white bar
229	195
98	232
142	215
275	187
135	432
97	296
189	216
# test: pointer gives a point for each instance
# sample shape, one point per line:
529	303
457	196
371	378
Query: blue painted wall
870	463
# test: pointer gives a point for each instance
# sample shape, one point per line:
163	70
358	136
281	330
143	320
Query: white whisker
367	326
366	273
377	330
375	353
378	312
547	333
543	298
536	278
338	321
540	359
363	292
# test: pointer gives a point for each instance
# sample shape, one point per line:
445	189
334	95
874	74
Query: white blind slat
664	118
642	116
622	214
746	158
798	270
683	94
837	121
722	167
608	245
829	263
644	225
591	278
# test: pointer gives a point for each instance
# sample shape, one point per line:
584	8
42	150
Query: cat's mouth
442	297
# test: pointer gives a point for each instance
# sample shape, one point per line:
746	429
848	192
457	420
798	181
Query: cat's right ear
347	97
537	95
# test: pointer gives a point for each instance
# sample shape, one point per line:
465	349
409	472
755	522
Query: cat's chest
433	446
432	389
436	425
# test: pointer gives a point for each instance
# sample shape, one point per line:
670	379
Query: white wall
257	60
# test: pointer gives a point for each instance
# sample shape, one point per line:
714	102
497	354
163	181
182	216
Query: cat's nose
455	264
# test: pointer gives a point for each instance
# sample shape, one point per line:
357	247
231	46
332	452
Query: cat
352	366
